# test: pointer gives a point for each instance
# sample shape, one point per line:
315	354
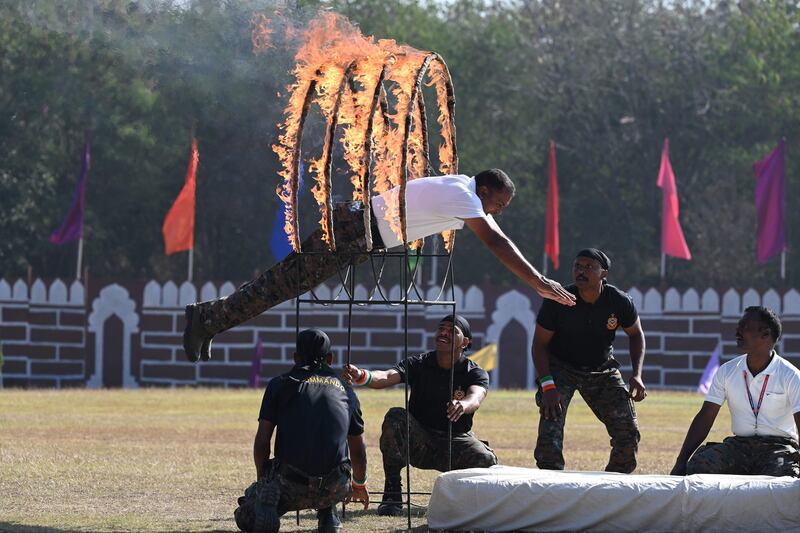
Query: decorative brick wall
129	334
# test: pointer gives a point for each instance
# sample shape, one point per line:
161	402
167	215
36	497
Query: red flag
673	243
551	244
178	228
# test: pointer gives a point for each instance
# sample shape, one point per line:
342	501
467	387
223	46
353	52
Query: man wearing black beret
319	455
572	351
433	405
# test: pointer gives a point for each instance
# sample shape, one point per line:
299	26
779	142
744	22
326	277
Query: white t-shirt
433	205
781	397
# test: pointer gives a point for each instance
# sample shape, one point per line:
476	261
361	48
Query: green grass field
176	460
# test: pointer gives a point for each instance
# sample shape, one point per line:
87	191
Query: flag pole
191	263
191	250
783	264
80	258
663	264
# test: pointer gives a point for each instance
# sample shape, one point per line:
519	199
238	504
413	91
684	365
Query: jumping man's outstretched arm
507	252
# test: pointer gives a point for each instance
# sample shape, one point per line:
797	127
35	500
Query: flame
346	74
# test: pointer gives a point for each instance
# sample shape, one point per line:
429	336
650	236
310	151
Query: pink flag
255	368
673	243
771	174
711	369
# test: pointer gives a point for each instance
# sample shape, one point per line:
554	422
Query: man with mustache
572	351
432	407
763	394
433	205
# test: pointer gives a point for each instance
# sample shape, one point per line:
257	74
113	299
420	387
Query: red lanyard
756	408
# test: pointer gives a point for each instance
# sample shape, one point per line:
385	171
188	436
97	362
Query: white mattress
504	498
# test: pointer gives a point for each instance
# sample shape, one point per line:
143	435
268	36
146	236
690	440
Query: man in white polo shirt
763	394
433	205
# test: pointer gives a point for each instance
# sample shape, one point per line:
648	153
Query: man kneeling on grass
763	394
433	406
320	431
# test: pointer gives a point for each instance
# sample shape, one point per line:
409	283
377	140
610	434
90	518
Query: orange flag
178	228
551	244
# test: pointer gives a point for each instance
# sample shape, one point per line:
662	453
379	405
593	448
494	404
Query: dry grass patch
176	460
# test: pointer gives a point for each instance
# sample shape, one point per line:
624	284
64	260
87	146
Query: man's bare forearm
636	346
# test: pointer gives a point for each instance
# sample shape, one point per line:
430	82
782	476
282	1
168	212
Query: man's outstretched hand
552	290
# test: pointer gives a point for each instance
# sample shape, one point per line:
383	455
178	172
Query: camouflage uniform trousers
757	455
429	446
606	395
316	493
296	274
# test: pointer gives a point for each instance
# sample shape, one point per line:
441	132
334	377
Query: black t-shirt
312	423
584	332
430	389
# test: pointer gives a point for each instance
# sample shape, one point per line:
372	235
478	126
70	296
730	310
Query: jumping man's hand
551	289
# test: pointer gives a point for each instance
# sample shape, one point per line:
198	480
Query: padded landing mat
504	498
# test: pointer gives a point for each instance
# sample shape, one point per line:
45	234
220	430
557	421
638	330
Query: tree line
607	81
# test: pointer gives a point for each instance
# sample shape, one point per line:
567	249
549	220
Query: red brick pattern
46	344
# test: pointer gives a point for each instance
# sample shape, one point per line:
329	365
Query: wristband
369	379
547	383
362	377
360	484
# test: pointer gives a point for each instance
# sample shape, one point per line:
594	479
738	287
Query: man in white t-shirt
433	205
763	394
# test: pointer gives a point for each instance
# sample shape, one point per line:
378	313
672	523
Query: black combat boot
328	521
392	503
268	494
196	342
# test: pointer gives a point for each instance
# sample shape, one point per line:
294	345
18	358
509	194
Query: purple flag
72	227
711	369
770	174
255	368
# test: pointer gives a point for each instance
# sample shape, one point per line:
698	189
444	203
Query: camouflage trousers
295	275
757	455
429	447
296	494
606	395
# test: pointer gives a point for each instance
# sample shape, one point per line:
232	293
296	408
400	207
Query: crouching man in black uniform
432	406
320	456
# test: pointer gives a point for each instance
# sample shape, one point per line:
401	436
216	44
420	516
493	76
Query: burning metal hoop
349	84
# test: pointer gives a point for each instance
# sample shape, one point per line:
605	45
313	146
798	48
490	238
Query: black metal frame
409	288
